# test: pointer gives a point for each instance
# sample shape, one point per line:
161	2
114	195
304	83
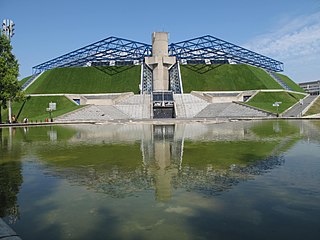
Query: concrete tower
160	61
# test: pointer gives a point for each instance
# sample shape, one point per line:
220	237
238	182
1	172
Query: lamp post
52	107
277	104
8	30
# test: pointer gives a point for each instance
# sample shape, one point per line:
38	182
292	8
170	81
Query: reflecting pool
237	180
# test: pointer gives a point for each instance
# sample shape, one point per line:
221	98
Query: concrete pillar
160	62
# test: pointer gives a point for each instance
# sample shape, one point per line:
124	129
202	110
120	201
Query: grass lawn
111	79
22	81
314	109
264	100
227	77
35	108
295	87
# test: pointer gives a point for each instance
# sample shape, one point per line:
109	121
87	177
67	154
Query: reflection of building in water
162	155
162	151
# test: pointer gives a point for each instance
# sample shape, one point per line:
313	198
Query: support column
160	61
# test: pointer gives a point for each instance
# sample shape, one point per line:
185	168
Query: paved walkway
230	110
298	108
187	106
133	107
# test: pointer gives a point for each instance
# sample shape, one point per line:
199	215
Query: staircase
188	105
230	110
93	113
30	81
279	80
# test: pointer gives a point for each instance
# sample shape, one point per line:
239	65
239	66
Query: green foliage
265	100
111	79
225	78
314	109
35	107
295	87
22	81
9	71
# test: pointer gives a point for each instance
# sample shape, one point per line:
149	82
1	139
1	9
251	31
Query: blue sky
287	30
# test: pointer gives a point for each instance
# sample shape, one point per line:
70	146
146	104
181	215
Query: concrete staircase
188	105
93	113
230	110
30	81
279	80
136	106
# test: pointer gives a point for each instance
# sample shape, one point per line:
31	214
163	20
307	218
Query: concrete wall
160	61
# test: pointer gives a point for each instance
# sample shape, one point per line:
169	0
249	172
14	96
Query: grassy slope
22	81
290	83
225	78
35	108
314	109
88	80
264	100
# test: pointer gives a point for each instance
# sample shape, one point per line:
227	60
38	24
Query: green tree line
10	90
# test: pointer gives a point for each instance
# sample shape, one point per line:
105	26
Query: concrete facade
312	88
160	61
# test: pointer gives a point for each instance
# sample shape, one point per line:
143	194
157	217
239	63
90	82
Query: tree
9	71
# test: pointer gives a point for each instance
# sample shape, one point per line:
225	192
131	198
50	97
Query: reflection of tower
162	156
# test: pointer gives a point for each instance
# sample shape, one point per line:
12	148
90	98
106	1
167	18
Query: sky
286	30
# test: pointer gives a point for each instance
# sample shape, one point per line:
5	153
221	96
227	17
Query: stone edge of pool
7	232
151	121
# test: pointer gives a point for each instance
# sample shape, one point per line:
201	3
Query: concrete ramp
188	105
93	113
230	110
297	110
136	106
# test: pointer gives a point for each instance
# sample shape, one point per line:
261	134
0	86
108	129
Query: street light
277	104
52	107
8	27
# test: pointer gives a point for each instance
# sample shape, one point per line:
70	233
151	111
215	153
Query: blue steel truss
193	50
211	48
106	50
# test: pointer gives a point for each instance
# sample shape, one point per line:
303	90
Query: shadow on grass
202	68
113	70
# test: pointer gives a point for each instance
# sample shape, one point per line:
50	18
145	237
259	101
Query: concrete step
94	113
188	105
225	110
137	106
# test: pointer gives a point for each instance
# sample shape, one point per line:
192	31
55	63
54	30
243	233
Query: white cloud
296	43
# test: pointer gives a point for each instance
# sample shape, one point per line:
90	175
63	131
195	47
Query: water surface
240	180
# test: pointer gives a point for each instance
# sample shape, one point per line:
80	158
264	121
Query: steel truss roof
211	48
109	49
201	48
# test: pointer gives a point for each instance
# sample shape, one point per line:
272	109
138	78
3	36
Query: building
312	88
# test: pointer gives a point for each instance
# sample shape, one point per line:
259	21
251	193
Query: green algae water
239	180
